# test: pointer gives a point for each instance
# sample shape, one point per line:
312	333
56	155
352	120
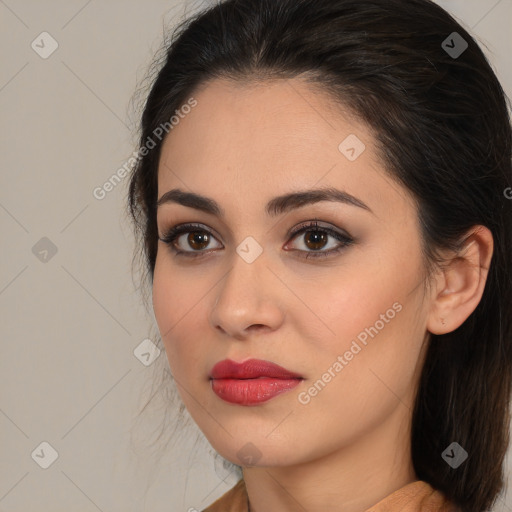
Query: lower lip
251	391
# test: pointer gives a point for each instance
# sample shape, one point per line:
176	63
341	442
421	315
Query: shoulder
235	500
418	496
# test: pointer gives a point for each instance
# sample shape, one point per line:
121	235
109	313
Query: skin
349	447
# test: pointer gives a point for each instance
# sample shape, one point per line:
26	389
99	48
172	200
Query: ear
460	285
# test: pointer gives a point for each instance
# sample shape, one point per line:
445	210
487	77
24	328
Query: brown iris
318	239
198	239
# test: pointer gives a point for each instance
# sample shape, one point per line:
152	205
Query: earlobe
461	282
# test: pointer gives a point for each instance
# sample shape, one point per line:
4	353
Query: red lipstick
252	382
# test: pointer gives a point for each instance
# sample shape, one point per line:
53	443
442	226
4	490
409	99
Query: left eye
315	240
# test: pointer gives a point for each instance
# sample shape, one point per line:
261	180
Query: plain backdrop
73	328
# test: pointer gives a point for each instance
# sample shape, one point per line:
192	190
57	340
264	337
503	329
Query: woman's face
351	323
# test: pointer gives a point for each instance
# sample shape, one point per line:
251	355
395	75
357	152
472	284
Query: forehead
284	123
265	139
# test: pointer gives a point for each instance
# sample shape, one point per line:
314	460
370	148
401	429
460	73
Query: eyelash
175	232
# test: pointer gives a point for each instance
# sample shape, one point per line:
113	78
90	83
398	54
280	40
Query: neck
352	478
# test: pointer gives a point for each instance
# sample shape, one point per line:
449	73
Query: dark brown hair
443	132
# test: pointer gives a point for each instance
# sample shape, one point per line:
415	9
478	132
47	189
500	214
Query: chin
254	451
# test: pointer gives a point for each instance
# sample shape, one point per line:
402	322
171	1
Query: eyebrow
276	206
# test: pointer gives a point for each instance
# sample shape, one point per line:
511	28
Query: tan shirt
416	496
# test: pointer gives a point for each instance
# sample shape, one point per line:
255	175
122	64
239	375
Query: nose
248	300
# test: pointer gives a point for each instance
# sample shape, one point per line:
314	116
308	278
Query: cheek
355	297
177	301
376	314
372	312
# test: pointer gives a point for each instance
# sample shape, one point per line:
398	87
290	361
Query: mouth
252	382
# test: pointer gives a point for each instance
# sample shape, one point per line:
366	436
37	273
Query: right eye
195	236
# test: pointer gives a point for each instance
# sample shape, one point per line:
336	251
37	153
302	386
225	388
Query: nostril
257	327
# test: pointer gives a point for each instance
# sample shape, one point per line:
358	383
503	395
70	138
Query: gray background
72	320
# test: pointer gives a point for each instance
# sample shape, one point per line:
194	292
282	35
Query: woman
327	235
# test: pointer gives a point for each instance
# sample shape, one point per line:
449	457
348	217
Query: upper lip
250	369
